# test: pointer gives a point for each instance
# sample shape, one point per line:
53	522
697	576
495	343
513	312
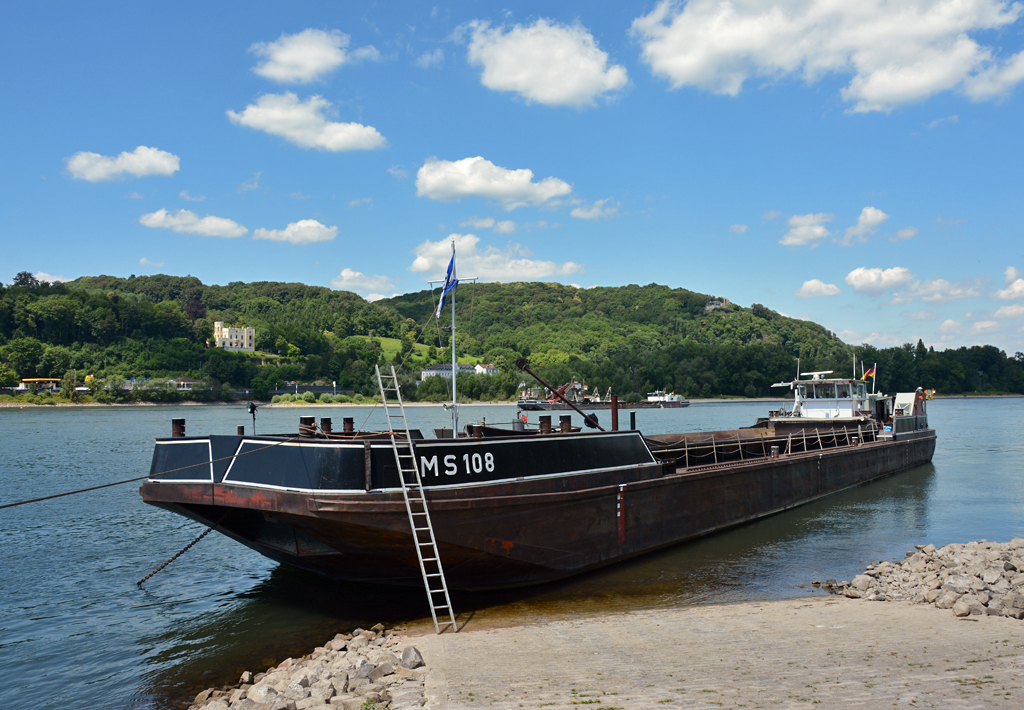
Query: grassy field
391	346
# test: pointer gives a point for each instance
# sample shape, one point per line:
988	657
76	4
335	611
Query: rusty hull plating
507	510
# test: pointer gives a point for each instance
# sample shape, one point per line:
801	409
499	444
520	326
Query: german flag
870	373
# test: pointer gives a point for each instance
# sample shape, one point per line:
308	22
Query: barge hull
529	531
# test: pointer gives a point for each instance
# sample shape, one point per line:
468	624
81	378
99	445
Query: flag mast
455	405
448	288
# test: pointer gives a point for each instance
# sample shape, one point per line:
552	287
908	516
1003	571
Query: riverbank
787	653
368	668
841	650
317	405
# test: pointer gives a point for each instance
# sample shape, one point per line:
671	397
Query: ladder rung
415	496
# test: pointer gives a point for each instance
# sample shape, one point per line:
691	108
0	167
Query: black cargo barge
509	508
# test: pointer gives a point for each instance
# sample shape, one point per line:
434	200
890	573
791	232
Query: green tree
24	356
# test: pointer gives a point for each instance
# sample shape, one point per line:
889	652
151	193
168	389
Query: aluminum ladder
415	500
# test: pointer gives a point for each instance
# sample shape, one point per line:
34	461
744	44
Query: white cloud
596	210
50	278
1010	275
305	231
253	184
490	264
921	315
986	326
807	229
557	65
904	234
446	180
867	223
430	59
298	196
398	171
305	124
1012	292
187	222
140	162
940	290
879	340
146	262
1014	311
185	196
894	52
738	228
349	280
504	227
816	288
361	201
306	56
949	327
478	222
997	78
876	281
133	196
771	214
948	119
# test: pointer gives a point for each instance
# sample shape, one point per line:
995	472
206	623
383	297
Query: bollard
856	441
545	423
775	452
177	428
241	430
307	426
478	431
632	420
348	425
325	425
615	412
565	423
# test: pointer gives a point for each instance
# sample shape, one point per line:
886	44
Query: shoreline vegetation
111	339
12	403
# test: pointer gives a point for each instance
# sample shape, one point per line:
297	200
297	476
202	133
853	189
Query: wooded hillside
633	339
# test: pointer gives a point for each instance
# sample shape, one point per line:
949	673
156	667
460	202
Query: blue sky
859	167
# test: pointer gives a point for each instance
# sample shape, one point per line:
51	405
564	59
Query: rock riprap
977	578
364	669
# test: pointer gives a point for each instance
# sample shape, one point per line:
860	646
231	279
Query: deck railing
687	454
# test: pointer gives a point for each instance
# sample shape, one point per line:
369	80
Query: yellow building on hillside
234	338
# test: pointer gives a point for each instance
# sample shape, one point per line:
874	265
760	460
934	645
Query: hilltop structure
234	338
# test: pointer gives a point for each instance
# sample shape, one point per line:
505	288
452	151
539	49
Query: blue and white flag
450	282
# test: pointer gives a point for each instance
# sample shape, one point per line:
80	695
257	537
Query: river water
76	631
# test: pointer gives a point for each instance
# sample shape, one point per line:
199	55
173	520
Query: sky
854	164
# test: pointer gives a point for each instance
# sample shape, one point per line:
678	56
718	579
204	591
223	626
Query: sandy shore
781	654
